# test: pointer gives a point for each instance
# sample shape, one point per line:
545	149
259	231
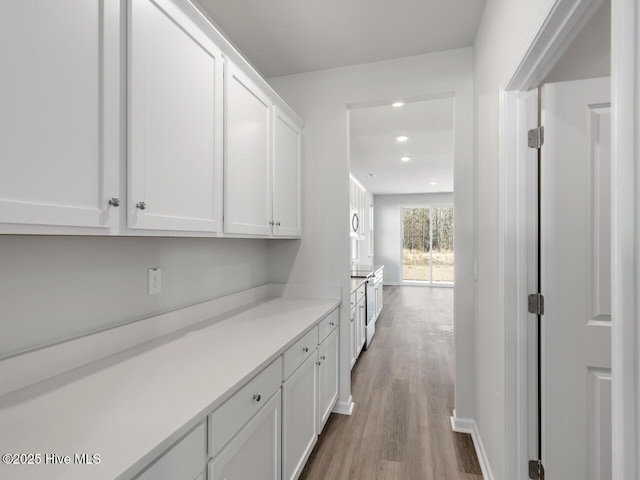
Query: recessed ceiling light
371	175
402	138
433	183
397	104
405	159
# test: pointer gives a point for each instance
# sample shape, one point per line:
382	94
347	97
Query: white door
286	176
247	158
59	115
175	121
575	280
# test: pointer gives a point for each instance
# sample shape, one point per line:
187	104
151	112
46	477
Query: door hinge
536	304
536	137
536	470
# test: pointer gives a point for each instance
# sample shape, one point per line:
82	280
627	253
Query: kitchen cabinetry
358	323
262	164
300	404
255	451
175	122
64	131
59	121
327	377
244	432
247	159
357	200
184	460
287	137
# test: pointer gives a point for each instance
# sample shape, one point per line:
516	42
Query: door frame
554	27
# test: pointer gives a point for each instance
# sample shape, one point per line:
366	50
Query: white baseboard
344	407
468	425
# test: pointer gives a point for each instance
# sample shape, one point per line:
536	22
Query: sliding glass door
427	245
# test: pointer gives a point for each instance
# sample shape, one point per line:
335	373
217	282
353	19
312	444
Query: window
427	244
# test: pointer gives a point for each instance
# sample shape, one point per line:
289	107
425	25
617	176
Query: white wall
388	228
53	288
321	99
502	31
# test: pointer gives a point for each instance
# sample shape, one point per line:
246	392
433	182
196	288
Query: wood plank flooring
403	390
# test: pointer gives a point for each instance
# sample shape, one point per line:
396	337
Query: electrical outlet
155	280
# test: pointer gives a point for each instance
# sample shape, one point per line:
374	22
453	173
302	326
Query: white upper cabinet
247	171
175	121
286	175
137	117
59	115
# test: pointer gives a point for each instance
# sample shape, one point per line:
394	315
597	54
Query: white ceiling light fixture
397	104
405	159
433	183
402	138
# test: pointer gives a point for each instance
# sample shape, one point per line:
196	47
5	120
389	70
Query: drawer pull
323	357
305	349
332	324
257	397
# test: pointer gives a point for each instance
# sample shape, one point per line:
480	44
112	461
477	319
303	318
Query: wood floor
403	390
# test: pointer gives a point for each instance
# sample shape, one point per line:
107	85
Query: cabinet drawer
299	352
228	419
186	459
328	324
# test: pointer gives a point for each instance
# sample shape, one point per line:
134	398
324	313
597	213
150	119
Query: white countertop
129	408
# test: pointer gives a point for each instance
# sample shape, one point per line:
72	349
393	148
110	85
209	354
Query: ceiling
283	37
375	150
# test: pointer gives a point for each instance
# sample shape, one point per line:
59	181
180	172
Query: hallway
403	390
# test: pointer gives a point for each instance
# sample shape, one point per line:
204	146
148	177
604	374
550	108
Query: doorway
573	348
427	245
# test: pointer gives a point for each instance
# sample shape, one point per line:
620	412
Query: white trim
553	29
344	408
625	238
468	425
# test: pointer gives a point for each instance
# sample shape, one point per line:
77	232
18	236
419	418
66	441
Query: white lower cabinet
254	453
185	460
299	422
327	377
353	337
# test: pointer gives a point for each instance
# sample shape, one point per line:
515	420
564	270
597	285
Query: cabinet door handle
332	324
323	357
141	205
305	349
114	201
277	224
318	363
257	397
272	223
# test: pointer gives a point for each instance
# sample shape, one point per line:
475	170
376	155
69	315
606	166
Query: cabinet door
362	328
327	377
299	405
175	121
247	157
286	176
255	451
353	339
59	115
187	459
